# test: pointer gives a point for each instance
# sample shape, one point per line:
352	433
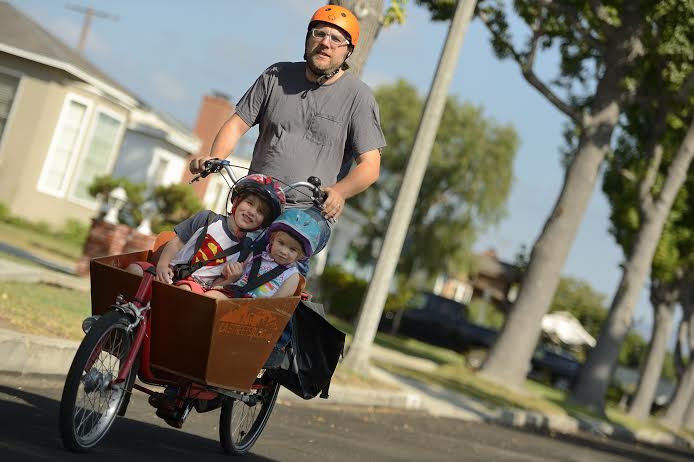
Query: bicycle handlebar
312	184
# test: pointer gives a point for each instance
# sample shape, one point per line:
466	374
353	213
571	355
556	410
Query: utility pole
372	308
88	12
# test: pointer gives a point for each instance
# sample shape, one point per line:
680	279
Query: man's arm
224	143
357	180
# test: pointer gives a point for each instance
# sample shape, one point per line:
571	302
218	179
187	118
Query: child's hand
232	272
164	274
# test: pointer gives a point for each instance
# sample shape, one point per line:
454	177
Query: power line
88	13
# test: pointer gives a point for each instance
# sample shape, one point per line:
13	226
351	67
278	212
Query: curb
571	425
24	354
346	395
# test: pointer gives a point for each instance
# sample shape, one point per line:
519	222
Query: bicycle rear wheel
241	424
89	403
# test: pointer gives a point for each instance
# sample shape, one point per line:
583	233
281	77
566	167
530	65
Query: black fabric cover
317	347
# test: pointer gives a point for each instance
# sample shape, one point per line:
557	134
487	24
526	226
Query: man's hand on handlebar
196	164
334	204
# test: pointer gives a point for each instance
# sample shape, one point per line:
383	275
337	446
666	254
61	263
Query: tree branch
597	7
526	64
574	15
646	186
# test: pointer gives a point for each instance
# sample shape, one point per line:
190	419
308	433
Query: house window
98	154
65	148
75	159
8	89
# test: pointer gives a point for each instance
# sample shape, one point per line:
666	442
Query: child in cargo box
193	260
273	272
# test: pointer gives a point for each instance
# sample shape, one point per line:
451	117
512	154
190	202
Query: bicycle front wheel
90	402
241	424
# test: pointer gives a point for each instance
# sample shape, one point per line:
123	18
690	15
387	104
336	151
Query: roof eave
127	100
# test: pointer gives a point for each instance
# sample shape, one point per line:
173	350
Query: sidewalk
31	355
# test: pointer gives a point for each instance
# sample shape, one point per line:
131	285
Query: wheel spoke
90	403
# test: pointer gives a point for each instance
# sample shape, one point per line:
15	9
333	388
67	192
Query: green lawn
43	309
43	244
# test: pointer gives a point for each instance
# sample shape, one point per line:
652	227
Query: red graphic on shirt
209	249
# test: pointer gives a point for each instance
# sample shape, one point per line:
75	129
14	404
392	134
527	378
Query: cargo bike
209	354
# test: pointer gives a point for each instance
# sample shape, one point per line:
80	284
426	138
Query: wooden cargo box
222	343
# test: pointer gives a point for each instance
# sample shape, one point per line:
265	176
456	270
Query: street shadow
29	432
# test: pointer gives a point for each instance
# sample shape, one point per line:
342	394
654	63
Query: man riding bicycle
314	118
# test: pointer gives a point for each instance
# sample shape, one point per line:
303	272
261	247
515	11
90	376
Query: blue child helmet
303	226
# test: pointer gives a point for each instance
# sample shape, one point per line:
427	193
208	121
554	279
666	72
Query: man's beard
318	70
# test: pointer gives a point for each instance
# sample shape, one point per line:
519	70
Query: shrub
74	231
175	203
342	292
4	212
131	213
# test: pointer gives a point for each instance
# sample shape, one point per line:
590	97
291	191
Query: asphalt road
296	432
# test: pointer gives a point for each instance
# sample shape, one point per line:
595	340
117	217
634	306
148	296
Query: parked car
554	365
442	322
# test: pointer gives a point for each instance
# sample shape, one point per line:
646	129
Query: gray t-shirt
307	129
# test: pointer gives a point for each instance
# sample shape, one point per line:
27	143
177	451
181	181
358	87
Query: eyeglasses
335	40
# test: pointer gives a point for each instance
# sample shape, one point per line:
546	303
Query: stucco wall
27	140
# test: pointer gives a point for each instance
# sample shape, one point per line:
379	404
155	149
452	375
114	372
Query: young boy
194	258
272	272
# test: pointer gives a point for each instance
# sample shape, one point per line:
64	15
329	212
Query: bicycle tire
88	407
240	425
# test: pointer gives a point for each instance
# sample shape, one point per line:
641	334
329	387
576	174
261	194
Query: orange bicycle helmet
338	16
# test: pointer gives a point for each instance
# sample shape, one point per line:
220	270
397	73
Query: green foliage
175	203
131	213
395	13
342	293
4	211
465	187
669	371
578	298
484	313
633	350
74	231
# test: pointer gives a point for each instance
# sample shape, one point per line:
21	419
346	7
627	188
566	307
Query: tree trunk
370	16
594	378
357	357
509	358
689	415
674	416
650	373
681	403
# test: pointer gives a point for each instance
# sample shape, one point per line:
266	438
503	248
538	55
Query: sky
172	52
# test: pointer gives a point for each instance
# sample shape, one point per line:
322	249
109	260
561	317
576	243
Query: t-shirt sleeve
365	125
252	104
185	229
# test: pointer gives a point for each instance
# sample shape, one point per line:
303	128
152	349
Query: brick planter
138	241
103	239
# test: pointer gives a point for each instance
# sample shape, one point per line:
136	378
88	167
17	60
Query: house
64	122
492	279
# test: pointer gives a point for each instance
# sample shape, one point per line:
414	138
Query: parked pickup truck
440	321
